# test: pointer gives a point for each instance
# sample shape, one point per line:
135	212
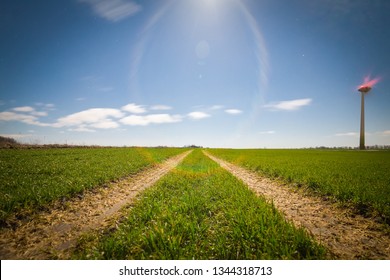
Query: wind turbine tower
363	91
364	88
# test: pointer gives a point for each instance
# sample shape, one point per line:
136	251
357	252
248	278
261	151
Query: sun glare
211	4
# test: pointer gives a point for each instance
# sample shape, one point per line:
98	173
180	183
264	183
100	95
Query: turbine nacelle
364	89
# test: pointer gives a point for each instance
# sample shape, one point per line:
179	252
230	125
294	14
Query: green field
358	178
31	178
200	211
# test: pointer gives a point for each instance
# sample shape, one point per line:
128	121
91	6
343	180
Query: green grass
358	178
200	211
31	178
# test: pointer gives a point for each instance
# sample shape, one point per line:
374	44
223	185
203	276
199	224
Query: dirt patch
53	233
346	235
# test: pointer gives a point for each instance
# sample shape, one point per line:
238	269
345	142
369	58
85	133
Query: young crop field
31	178
144	206
201	211
358	178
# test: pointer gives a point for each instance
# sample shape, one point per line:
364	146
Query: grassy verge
31	178
200	211
359	178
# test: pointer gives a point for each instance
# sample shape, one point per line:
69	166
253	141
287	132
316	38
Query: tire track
346	235
53	234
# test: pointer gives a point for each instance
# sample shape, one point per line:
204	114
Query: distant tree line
193	147
8	142
373	147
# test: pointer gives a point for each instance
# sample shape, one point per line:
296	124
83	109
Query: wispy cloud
384	133
46	106
105	89
216	107
134	108
16	136
353	134
289	105
160	107
267	132
197	115
136	120
233	111
113	10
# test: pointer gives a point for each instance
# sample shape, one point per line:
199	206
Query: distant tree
7	142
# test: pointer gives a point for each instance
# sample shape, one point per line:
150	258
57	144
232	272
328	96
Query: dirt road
54	233
346	235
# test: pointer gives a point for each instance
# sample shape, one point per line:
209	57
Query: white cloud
25	114
135	120
30	110
113	10
93	119
82	129
106	124
134	108
163	118
198	115
24	109
96	118
233	111
39	114
160	107
289	105
24	118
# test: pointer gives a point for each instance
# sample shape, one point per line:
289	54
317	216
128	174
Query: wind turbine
364	88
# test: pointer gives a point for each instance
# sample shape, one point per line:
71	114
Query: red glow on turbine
368	84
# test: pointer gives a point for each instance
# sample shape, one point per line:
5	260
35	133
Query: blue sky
216	73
